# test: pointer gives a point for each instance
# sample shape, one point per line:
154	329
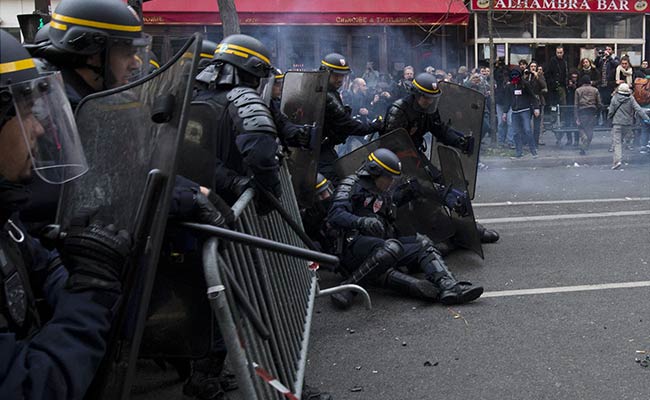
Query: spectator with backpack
622	110
642	96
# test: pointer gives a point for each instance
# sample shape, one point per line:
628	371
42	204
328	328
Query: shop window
616	26
520	52
507	25
561	25
632	51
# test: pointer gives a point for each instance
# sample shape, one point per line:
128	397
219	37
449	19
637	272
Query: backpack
642	91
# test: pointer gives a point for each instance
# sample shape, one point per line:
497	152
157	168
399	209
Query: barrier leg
221	310
343	288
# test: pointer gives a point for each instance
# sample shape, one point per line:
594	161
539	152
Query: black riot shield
467	235
465	108
198	154
303	101
425	214
130	136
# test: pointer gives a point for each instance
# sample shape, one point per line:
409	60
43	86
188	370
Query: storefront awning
310	12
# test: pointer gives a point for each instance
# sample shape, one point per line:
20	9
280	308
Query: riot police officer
339	123
290	134
313	218
363	213
418	114
97	45
247	133
43	356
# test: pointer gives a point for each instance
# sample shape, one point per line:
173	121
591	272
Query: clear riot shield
425	214
467	235
303	101
130	136
464	107
265	89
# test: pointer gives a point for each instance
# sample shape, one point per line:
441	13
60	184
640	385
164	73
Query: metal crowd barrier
262	291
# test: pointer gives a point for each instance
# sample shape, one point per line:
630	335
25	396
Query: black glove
95	254
240	184
370	226
206	213
303	136
222	207
457	201
377	125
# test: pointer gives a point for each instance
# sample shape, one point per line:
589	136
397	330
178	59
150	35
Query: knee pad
394	248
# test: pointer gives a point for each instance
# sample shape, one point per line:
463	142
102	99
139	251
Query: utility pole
493	105
229	17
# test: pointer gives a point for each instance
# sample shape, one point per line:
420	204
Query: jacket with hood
623	108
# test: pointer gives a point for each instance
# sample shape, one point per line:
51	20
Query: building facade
388	33
531	29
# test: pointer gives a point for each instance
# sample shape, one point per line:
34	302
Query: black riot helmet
245	53
208	48
382	162
109	28
324	189
335	63
35	106
427	93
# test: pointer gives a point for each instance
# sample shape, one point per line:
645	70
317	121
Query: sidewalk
552	155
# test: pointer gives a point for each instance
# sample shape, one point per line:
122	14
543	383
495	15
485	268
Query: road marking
562	216
565	289
547	202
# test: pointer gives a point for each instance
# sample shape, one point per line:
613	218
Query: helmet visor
49	129
426	103
128	61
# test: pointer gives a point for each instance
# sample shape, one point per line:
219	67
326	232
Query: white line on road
562	216
547	202
565	289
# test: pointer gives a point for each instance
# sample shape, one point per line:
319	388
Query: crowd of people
556	90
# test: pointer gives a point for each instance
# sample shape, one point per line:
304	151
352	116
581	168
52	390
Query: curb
562	161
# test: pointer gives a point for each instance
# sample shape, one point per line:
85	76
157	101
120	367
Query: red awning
310	12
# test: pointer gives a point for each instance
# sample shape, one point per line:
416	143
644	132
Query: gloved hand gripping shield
47	123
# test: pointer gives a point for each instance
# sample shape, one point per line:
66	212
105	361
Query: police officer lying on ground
418	114
247	132
363	213
338	124
53	358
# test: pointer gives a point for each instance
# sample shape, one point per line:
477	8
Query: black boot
409	285
451	291
487	235
455	292
204	381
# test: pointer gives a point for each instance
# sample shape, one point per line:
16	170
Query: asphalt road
566	232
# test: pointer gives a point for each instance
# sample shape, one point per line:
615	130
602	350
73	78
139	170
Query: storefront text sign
613	6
